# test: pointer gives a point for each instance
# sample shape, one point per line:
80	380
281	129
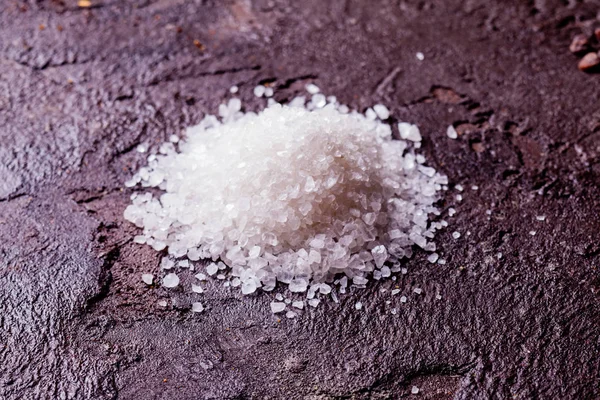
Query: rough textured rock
81	88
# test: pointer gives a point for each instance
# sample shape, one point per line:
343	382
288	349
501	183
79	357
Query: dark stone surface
80	88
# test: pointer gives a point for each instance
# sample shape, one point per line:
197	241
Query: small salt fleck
212	269
170	280
200	276
499	256
197	289
455	234
488	212
417	290
381	111
474	187
142	148
234	89
451	212
148	278
197	307
269	92
459	188
162	303
420	56
313	302
414	390
404	271
459	197
395	291
277	307
174	139
298	304
403	299
433	258
394	311
541	217
437	296
259	91
358	305
290	314
441	261
532	233
451	132
279	296
312	88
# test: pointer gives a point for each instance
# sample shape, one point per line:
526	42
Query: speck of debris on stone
403	299
414	390
579	43
420	56
451	132
148	278
199	44
589	62
84	3
540	217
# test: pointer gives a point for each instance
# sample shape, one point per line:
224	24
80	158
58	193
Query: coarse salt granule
451	132
148	278
294	195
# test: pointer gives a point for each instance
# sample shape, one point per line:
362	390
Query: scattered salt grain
474	187
313	302
298	304
393	311
381	111
212	269
441	261
142	148
438	296
170	280
455	234
451	132
277	307
459	197
395	291
200	276
409	132
459	188
259	91
291	314
197	307
499	256
279	296
312	88
420	56
358	305
148	279
414	390
417	290
532	233
451	212
197	289
432	258
162	303
541	217
269	92
234	89
403	299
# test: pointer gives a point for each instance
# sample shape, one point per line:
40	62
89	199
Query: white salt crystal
459	188
312	88
403	299
279	296
414	390
197	289
459	197
437	296
197	307
409	132
291	314
148	278
142	148
532	233
170	280
162	303
298	304
433	257
417	290
380	255
212	269
381	111
172	139
393	311
540	217
455	234
358	305
234	89
441	261
269	92
200	276
451	212
319	100
259	91
451	132
277	307
420	56
395	291
313	302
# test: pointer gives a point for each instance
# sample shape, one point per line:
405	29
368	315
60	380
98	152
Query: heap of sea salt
293	194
